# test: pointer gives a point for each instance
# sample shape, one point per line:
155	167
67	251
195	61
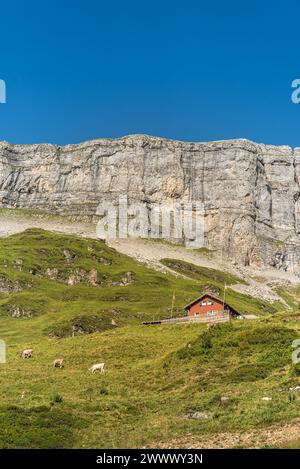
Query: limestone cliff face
251	192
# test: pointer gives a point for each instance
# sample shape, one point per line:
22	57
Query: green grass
155	375
47	304
216	279
201	273
205	252
288	294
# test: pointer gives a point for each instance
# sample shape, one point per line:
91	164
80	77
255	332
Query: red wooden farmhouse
210	308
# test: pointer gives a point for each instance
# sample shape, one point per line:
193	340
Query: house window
212	313
210	302
203	303
197	314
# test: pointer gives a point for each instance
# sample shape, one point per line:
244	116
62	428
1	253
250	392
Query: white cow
58	363
27	353
97	367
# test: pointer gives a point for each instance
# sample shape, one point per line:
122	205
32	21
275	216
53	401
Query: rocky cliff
251	192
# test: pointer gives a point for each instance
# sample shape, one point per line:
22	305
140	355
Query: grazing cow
58	363
97	367
27	353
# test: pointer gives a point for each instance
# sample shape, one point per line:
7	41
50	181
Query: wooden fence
206	320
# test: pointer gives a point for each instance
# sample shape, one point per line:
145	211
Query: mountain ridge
151	137
250	192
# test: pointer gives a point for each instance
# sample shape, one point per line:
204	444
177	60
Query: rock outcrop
251	192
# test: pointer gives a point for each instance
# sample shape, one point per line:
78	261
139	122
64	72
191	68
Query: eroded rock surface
250	192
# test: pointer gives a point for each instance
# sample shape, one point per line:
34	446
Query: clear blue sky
190	70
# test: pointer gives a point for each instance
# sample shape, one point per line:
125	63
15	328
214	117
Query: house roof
200	298
213	297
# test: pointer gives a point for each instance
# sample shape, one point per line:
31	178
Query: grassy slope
243	303
56	306
155	374
153	379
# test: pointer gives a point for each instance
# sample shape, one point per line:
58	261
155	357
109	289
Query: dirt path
11	223
270	436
